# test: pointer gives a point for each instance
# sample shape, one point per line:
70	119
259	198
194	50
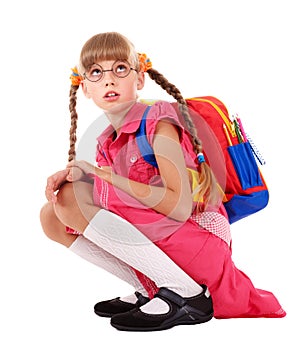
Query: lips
111	96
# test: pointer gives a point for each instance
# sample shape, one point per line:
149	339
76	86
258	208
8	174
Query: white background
244	52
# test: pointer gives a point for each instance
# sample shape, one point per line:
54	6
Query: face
112	93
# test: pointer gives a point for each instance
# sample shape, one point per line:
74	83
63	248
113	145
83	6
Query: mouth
111	96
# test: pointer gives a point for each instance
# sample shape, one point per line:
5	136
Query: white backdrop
244	52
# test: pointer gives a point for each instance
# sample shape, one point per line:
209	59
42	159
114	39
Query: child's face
110	91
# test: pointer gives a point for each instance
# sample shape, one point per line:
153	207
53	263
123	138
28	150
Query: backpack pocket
245	165
241	206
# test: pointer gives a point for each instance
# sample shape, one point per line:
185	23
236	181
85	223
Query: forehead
105	63
108	63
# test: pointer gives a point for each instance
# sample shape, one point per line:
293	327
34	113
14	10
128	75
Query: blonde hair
114	46
107	46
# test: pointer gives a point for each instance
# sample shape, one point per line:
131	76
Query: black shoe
116	306
192	310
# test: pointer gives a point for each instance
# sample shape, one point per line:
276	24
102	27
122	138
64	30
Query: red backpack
230	153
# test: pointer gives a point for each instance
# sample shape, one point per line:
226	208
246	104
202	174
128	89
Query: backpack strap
142	141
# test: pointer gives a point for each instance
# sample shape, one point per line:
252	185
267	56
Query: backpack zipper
227	121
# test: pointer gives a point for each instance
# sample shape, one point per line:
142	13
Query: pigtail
76	80
74	118
207	188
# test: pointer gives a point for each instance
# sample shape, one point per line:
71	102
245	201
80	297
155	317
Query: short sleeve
162	111
100	156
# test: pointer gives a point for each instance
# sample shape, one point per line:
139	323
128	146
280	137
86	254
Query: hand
54	182
75	174
85	167
79	166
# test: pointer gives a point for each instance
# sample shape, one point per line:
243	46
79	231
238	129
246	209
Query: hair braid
172	90
74	118
207	188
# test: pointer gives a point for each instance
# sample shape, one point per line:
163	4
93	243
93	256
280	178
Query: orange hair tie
145	62
75	77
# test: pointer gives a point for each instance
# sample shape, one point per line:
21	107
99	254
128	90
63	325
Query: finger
71	164
55	180
53	198
75	174
70	176
51	184
50	195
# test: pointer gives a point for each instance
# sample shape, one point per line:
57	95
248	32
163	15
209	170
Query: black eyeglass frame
112	70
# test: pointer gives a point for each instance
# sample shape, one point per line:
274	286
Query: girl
163	230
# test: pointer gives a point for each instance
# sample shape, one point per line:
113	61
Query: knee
74	201
65	202
48	221
44	218
65	196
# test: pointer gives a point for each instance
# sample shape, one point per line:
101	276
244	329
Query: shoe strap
141	299
170	295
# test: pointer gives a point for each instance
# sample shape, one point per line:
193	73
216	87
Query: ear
140	80
85	90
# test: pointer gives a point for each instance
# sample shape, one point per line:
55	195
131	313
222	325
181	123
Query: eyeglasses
120	69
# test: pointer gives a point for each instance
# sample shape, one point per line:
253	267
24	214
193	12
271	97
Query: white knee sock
121	239
95	255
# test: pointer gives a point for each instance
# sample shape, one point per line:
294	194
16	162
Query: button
133	158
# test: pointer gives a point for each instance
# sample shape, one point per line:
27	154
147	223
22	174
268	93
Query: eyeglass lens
119	68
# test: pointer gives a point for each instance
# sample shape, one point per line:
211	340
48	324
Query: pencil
237	131
227	134
241	128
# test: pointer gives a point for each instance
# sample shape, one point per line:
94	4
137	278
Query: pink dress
203	252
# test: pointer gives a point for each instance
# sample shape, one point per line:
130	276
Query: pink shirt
123	155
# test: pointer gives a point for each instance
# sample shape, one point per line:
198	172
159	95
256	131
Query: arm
54	182
58	179
174	198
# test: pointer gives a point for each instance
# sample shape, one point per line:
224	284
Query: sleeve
101	159
168	111
162	111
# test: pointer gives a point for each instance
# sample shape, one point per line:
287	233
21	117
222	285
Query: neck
117	115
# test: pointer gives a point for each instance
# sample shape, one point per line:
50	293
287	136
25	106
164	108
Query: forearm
177	206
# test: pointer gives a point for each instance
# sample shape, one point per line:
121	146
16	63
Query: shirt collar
131	122
133	118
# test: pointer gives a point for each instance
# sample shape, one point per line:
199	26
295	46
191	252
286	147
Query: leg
56	231
75	206
68	212
121	239
53	227
168	308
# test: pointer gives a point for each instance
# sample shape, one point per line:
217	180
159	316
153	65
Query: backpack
228	150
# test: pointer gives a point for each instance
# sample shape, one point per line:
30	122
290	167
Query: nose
109	78
108	83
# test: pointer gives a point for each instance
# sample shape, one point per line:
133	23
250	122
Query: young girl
163	230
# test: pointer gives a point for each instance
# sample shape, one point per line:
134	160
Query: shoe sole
183	321
103	314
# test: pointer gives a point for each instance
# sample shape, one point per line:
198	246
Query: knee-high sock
121	239
101	258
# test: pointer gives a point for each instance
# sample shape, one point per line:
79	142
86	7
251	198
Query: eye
95	72
121	68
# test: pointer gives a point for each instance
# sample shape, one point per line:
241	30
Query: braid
74	117
183	108
207	188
